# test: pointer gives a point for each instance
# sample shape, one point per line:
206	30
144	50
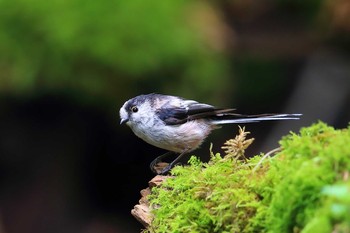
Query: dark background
66	67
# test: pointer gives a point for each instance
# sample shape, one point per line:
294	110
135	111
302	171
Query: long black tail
236	118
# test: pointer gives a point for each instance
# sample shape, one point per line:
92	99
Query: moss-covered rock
305	187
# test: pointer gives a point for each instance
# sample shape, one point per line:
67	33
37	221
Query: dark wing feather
212	114
178	115
172	116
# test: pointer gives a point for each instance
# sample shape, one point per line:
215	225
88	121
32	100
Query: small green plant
303	188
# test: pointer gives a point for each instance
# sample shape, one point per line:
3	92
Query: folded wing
192	110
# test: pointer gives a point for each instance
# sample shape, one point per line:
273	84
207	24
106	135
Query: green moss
303	188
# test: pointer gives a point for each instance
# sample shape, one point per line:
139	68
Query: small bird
179	125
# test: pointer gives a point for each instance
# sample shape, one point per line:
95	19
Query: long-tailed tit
179	125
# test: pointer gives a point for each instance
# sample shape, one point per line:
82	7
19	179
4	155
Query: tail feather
256	118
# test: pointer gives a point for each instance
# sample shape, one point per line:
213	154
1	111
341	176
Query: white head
135	110
143	108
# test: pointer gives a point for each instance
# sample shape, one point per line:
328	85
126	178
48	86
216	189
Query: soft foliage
303	188
105	47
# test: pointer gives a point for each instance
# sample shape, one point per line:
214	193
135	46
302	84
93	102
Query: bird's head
135	110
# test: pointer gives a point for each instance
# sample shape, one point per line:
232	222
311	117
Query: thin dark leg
159	159
172	164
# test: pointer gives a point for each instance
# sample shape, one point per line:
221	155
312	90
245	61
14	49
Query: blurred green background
66	67
109	47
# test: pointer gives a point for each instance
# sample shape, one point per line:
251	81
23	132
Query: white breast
177	138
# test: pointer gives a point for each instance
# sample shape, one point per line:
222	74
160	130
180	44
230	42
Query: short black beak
122	121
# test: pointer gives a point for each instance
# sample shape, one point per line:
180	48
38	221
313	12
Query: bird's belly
176	138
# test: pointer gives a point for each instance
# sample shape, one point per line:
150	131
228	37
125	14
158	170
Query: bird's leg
157	160
172	164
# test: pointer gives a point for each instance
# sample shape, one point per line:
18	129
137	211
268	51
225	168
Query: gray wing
189	110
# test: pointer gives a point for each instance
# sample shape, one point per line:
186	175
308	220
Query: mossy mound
305	187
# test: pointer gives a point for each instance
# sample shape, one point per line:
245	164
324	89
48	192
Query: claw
166	170
153	165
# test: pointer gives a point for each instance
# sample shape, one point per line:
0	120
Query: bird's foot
166	170
157	166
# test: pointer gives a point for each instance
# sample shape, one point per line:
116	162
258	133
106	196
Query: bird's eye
134	109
